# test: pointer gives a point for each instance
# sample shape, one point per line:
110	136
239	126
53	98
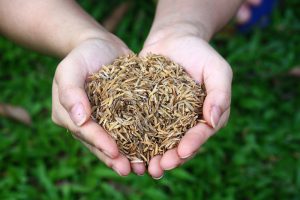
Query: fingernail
186	156
116	170
107	154
78	114
170	168
158	177
215	115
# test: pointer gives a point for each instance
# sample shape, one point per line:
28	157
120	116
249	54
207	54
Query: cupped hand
70	105
206	66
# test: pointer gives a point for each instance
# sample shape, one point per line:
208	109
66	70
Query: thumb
70	78
217	81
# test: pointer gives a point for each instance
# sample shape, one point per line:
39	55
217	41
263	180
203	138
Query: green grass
257	156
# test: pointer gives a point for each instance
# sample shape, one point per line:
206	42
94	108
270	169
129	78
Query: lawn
257	156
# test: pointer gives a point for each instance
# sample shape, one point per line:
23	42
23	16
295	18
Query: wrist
160	32
190	17
97	34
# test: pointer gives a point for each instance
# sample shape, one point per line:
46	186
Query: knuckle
91	149
230	72
226	97
97	144
66	95
203	137
227	68
59	71
78	135
221	98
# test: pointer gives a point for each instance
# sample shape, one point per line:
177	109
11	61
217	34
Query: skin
244	12
70	33
181	31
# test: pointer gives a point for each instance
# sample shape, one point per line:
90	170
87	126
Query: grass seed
146	104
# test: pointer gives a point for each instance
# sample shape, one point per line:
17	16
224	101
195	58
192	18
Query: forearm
202	17
49	26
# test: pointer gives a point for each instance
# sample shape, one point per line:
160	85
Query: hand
70	105
204	64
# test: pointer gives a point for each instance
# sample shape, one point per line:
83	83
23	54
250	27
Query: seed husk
146	104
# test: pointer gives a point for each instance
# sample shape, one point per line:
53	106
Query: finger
95	135
184	160
91	132
101	156
72	72
155	169
170	160
58	111
138	168
218	97
193	139
70	77
243	15
120	164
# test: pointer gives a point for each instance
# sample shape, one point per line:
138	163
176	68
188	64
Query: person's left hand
206	66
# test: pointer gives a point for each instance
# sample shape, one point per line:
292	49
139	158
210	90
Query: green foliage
256	156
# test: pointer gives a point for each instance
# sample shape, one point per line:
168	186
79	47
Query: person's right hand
185	46
70	105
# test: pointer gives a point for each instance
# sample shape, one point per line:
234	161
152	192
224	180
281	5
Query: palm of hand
204	64
70	105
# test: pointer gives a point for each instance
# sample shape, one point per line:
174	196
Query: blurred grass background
257	156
